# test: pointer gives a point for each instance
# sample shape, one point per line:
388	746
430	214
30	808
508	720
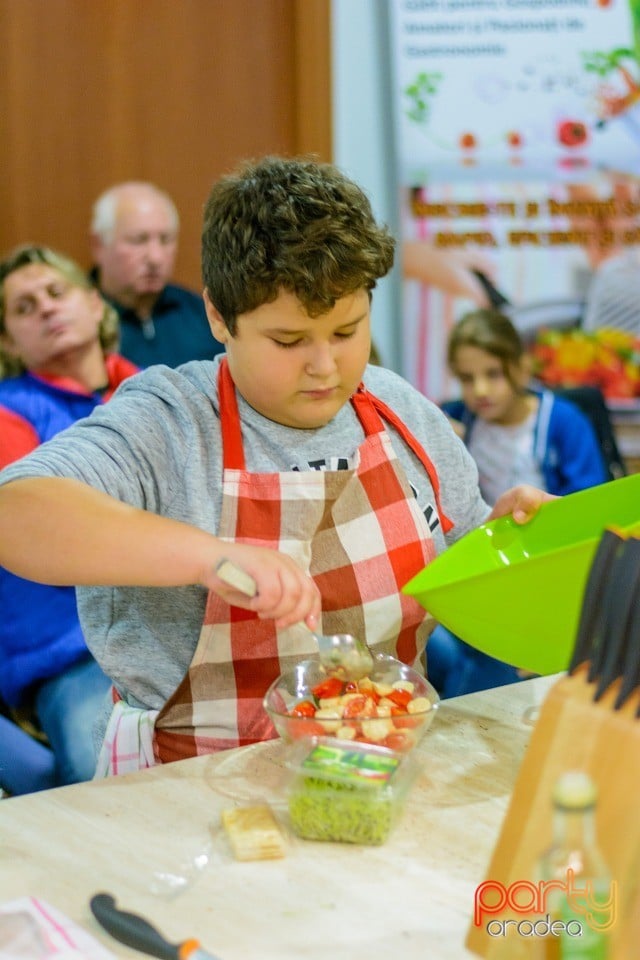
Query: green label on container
356	766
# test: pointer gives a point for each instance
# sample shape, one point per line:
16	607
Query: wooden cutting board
574	733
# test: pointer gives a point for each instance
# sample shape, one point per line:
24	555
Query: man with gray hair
134	236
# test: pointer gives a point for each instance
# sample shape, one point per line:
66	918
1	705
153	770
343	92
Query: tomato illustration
514	139
572	133
467	141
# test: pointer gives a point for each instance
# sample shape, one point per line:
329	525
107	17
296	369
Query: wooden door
93	92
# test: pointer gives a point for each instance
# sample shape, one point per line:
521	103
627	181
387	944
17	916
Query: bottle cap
575	790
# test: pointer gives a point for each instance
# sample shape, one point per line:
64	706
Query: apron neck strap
232	448
368	408
363	401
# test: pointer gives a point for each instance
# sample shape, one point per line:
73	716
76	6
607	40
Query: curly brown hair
292	224
27	254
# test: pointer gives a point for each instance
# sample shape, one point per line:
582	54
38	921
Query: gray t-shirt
157	445
505	456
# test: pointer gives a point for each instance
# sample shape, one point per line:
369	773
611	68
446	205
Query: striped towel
128	741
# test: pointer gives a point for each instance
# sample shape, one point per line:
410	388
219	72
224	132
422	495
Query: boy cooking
329	481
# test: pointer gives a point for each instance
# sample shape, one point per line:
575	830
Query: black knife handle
496	299
589	637
130	929
619	601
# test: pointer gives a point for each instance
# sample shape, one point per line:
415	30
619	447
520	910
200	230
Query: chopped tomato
400	697
355	707
304	727
370	706
303	709
406	721
331	687
397	741
354	704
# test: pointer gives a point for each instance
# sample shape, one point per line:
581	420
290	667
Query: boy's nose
321	360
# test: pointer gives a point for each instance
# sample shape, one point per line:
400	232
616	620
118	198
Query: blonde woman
57	363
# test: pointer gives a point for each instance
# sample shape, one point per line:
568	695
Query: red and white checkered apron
359	533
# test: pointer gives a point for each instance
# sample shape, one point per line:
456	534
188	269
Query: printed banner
518	137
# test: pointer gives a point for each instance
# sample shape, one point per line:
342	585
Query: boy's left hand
521	502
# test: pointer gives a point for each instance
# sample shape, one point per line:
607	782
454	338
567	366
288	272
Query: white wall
363	137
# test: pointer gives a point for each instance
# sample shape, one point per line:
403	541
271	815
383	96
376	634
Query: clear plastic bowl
393	708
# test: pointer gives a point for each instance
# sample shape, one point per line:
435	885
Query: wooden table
154	842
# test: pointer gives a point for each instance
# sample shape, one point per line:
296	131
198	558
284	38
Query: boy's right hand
285	593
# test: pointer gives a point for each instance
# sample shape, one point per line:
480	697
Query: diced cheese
419	705
377	729
403	685
330	702
346	733
382	689
329	717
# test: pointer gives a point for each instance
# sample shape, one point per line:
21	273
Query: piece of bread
253	832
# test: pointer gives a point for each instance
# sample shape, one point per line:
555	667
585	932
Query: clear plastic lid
353	764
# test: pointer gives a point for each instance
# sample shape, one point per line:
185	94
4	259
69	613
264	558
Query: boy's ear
217	324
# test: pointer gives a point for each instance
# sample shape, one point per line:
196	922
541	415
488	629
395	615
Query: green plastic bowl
515	591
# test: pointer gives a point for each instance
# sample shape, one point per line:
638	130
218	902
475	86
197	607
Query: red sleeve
17	437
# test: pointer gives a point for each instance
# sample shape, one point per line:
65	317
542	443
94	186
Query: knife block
574	732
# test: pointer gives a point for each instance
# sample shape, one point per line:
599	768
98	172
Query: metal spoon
339	652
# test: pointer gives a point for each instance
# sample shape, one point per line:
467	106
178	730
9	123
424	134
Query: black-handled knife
496	299
134	931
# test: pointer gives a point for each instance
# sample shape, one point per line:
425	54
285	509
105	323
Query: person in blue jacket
26	765
57	363
134	241
515	435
